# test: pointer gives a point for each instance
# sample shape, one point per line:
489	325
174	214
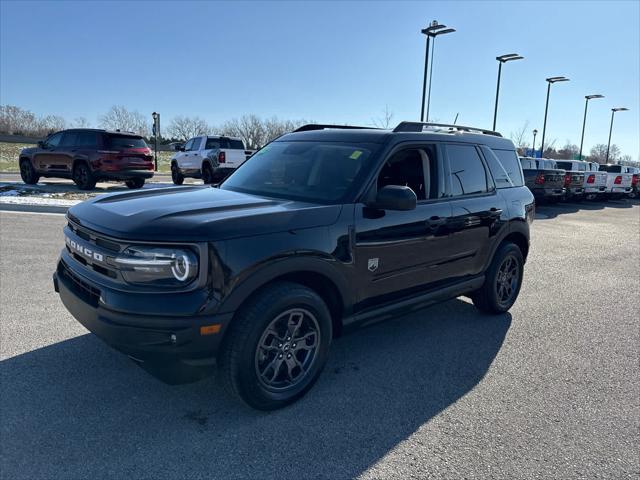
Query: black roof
101	130
338	133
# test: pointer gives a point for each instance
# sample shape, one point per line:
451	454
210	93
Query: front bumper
170	347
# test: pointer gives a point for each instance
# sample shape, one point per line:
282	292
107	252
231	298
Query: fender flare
263	275
520	227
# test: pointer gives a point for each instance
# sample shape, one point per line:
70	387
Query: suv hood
196	213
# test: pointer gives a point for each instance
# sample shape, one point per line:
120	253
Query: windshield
318	172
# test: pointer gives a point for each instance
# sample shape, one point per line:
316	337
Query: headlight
168	267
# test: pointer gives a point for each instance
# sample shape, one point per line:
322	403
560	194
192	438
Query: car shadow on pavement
78	409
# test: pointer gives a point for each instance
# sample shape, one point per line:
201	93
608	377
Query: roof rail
319	126
419	127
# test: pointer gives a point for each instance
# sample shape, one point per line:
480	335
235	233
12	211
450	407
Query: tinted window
528	164
69	139
236	144
212	143
565	165
187	146
467	172
611	168
87	139
54	140
414	168
322	172
125	141
511	165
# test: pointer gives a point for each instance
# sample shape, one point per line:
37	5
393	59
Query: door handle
434	222
495	212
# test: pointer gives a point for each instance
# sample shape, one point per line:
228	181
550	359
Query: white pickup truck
211	158
619	181
595	181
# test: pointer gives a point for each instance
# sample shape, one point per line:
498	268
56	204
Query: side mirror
180	148
395	197
41	144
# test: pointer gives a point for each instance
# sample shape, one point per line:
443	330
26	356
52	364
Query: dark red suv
87	156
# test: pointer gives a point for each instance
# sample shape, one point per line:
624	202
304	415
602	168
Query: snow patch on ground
53	202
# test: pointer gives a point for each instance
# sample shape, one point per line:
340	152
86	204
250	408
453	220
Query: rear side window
528	164
466	170
87	139
511	165
69	139
125	141
565	165
611	168
212	143
236	144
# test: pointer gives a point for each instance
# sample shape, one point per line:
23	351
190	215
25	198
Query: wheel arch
315	275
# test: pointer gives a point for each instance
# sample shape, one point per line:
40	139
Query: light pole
546	108
535	132
156	132
432	30
613	111
584	122
502	59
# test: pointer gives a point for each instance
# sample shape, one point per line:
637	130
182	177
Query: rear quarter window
510	164
236	144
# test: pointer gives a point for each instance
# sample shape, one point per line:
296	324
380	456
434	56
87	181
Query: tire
28	173
499	293
176	177
134	183
83	177
207	173
260	360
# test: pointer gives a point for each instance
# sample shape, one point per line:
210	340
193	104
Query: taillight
634	180
591	179
618	180
540	179
567	179
222	157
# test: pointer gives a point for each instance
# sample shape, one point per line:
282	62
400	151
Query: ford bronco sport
87	156
322	229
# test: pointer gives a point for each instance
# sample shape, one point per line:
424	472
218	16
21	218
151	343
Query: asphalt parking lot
549	390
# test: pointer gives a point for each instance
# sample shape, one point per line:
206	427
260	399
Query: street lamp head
535	132
154	114
433	28
508	57
589	97
440	32
620	109
557	79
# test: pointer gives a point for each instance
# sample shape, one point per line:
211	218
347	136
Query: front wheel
134	183
277	346
176	177
502	281
28	173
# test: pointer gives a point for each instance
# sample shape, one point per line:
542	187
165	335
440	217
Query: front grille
84	290
94	238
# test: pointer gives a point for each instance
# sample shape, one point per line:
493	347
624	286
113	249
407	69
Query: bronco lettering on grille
81	249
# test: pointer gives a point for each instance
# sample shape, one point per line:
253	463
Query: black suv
323	229
87	156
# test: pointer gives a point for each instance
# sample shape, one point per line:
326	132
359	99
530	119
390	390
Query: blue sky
328	61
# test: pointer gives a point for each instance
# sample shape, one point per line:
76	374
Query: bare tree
119	118
81	122
385	120
17	121
568	152
184	128
249	128
518	137
49	124
599	153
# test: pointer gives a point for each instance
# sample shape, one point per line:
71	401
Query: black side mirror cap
395	197
41	143
180	148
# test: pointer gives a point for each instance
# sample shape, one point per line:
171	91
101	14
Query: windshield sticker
356	154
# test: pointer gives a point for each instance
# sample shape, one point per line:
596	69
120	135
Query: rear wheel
207	173
134	183
502	281
83	177
277	346
28	173
176	177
